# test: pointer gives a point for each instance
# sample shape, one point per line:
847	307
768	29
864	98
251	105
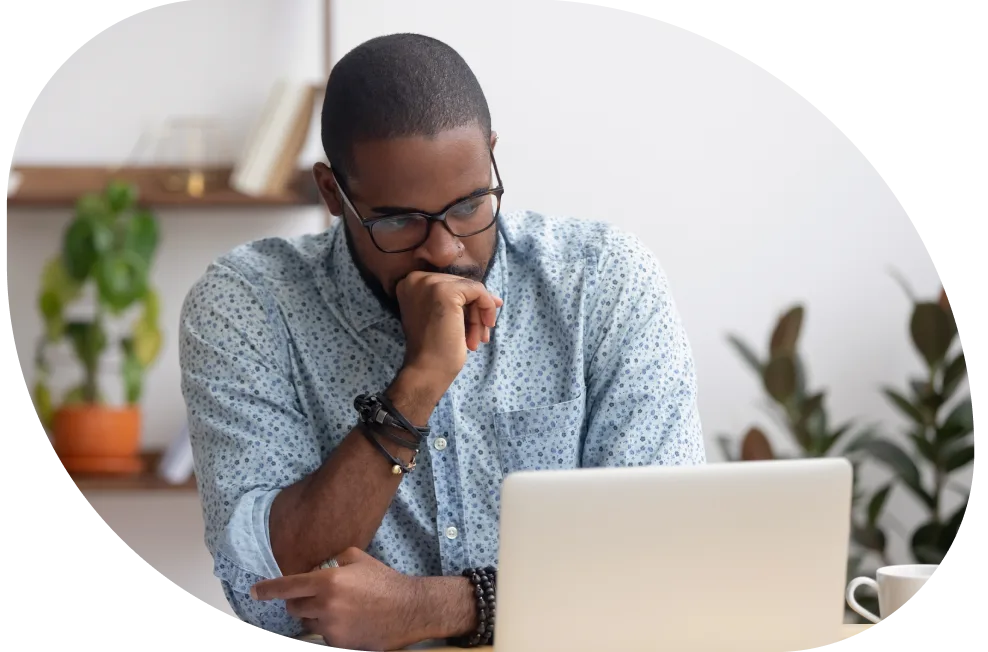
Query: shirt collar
362	307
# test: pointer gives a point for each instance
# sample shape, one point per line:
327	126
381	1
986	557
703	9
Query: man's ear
493	140
326	183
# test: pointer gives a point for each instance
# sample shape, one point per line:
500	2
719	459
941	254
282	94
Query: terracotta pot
98	438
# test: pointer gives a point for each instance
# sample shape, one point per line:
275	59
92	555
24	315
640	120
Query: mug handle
852	587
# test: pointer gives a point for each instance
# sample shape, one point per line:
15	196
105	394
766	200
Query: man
513	341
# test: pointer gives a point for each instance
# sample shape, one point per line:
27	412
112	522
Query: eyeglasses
471	215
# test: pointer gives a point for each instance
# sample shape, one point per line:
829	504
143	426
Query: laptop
733	556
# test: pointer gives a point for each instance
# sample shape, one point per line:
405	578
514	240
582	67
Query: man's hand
365	605
442	317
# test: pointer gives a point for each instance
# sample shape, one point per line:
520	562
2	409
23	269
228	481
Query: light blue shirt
588	366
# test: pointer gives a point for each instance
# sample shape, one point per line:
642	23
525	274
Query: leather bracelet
484	582
377	408
397	467
384	432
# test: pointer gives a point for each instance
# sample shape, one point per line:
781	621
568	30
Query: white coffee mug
895	585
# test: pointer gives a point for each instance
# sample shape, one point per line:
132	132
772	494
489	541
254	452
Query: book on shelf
270	156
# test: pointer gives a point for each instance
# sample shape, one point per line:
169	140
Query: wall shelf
61	187
147	480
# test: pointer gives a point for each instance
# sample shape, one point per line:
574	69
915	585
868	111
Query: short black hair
398	85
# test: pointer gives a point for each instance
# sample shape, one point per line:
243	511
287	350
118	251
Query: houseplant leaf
899	462
950	529
142	235
924	446
93	207
959	458
905	406
84	242
88	340
876	504
56	279
925	544
786	333
933	331
121	278
953	375
120	196
961	417
870	537
746	354
147	342
43	404
755	446
780	378
132	372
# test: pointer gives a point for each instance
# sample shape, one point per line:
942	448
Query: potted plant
98	282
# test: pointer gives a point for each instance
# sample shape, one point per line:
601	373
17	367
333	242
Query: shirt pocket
541	438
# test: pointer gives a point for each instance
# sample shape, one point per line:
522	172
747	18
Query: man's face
415	174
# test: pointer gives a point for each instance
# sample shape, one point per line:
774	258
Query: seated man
475	343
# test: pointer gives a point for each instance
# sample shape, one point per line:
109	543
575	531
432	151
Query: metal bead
396	470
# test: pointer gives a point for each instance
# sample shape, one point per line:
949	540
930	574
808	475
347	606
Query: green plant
109	245
802	414
940	431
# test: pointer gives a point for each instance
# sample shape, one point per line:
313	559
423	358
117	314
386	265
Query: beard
469	272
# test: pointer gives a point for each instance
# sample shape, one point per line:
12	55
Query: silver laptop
735	556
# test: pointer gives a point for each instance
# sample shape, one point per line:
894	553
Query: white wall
749	196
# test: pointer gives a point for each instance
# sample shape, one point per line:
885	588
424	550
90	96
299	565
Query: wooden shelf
61	187
147	480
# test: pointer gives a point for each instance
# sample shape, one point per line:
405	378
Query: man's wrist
415	394
445	607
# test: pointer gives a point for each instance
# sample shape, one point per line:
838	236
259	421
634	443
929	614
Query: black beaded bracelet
484	582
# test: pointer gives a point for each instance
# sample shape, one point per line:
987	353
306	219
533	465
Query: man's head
406	129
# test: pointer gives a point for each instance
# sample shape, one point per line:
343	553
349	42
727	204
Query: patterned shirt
588	366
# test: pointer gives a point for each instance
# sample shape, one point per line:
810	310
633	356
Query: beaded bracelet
484	582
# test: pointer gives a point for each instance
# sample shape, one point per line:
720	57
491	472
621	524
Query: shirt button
451	532
440	444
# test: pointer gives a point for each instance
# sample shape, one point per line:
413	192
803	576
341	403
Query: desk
847	632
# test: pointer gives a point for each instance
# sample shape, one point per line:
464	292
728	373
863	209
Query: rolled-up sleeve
249	435
641	381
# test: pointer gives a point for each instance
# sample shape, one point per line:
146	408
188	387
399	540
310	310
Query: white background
685	140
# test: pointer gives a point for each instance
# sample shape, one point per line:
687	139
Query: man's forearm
342	504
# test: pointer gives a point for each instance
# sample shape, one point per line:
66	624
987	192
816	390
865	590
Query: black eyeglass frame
497	191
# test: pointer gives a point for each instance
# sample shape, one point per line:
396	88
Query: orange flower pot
98	439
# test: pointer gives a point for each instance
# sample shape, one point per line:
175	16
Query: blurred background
792	263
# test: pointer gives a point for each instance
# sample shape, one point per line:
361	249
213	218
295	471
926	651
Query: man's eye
467	208
396	224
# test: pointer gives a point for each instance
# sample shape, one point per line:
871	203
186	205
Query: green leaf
901	464
152	307
88	340
953	375
950	529
147	342
142	235
923	445
120	196
905	406
786	333
901	280
933	332
925	396
801	380
133	374
961	417
780	378
43	404
925	544
84	242
876	504
871	538
121	278
55	279
959	458
93	207
75	395
726	447
50	306
746	354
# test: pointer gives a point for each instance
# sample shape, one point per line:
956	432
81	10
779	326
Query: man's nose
441	248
